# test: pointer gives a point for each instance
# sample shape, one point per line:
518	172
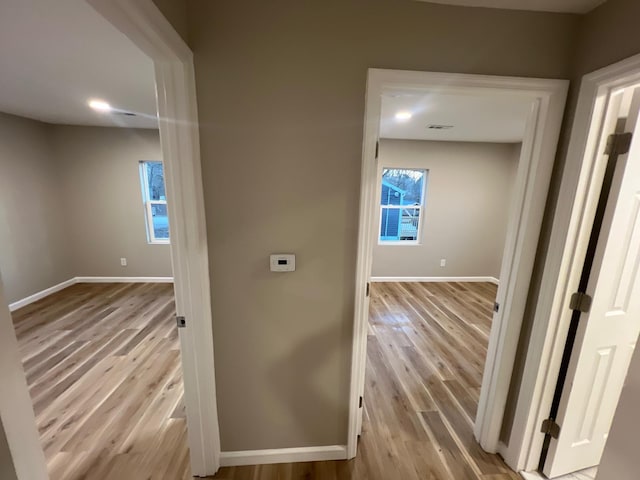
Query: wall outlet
123	262
443	262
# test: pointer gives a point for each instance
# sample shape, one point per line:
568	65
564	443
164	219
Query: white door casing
606	335
534	171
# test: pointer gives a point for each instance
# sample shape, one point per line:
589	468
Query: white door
607	335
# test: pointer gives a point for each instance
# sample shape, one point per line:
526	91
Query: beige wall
467	201
34	254
281	90
71	204
7	470
103	202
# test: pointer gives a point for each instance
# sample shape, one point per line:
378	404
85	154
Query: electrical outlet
123	262
443	262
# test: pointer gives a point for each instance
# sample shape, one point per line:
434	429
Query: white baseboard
124	279
61	286
40	295
532	476
436	279
283	455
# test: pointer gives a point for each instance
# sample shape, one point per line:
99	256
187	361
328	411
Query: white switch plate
443	262
282	262
123	262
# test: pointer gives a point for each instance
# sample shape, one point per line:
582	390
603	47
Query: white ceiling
54	56
474	118
567	6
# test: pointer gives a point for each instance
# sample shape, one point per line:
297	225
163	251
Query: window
401	205
155	201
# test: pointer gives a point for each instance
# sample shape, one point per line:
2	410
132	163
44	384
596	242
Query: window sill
400	244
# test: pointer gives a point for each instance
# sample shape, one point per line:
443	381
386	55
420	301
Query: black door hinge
181	322
581	302
368	289
360	403
377	148
551	428
496	307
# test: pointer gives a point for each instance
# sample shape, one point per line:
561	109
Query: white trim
283	455
123	280
149	30
72	281
493	280
532	476
40	295
534	172
575	211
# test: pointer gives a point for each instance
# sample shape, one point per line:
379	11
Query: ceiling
72	55
567	6
473	118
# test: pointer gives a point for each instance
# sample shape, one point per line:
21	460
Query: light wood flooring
102	363
103	367
427	345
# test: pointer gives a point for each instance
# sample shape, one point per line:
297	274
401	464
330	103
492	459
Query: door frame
548	99
575	212
143	23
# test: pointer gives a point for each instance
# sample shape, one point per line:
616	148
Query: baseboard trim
283	455
67	283
436	279
40	295
124	279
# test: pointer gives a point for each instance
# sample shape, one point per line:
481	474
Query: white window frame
418	240
148	205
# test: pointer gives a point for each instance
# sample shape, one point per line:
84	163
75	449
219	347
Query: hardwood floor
102	363
426	353
103	366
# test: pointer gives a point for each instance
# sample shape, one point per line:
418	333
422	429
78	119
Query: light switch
283	262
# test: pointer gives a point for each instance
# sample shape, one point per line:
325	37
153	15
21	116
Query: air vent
439	127
126	114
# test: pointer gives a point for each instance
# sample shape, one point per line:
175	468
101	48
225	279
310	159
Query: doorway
575	384
172	68
545	100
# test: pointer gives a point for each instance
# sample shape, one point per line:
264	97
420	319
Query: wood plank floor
426	352
102	363
103	366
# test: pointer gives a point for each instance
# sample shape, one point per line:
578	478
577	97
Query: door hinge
618	143
181	322
368	289
496	307
377	148
360	403
581	302
551	428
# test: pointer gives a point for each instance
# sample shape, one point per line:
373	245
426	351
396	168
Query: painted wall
281	89
34	254
19	438
467	200
102	199
7	470
71	204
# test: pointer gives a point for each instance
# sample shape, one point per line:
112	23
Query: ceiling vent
126	114
439	127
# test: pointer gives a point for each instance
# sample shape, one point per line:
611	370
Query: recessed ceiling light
100	105
403	116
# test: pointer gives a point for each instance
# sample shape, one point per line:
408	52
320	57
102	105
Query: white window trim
421	207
